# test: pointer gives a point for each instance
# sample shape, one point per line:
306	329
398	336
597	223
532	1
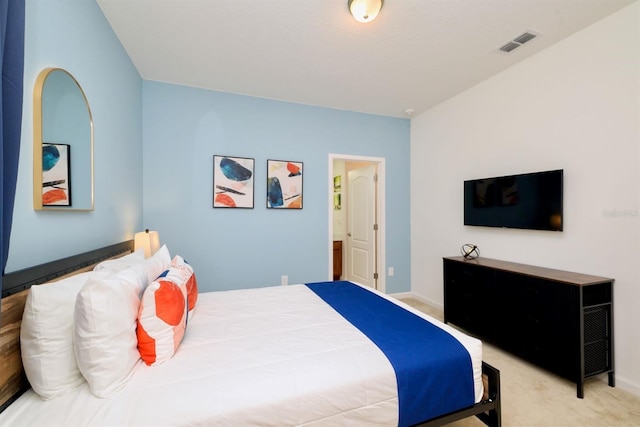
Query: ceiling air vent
517	42
509	47
524	38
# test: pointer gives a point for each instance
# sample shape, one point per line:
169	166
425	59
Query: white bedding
270	356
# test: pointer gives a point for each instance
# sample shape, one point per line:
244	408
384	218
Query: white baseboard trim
627	385
419	298
430	302
402	295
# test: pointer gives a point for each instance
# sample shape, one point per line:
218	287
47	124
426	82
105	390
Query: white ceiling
416	54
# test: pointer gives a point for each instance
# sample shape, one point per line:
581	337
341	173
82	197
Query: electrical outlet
284	280
390	271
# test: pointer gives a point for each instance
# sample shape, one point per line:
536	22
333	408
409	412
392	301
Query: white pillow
46	336
106	312
121	263
156	264
103	327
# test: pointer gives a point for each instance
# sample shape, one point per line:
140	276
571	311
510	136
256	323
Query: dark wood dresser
558	320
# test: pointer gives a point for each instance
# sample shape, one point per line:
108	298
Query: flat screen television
528	201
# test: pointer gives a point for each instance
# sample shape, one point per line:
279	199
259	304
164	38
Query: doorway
356	217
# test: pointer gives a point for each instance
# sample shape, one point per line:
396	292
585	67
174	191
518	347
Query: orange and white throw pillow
166	306
162	320
183	275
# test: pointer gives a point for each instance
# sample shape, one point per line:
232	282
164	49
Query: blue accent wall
185	127
74	35
154	147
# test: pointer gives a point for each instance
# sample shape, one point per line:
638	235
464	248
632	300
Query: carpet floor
533	397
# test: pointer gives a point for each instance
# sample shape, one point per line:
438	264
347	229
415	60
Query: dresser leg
612	379
580	389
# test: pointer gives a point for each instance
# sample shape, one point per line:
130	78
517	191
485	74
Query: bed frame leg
493	417
488	411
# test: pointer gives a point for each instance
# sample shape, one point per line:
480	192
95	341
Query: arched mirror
62	144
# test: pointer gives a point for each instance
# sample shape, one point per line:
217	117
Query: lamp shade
147	240
365	10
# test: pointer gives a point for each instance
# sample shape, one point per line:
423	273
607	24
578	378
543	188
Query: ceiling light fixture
365	10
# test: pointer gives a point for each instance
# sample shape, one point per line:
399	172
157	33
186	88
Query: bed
286	355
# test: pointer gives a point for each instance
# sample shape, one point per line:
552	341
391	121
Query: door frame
380	214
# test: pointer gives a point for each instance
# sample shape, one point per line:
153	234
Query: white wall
574	106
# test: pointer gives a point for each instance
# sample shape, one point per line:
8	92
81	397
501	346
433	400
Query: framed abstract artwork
284	184
233	182
56	174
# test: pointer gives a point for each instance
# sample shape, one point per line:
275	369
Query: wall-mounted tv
529	201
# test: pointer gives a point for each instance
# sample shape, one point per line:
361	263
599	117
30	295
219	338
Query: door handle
349	234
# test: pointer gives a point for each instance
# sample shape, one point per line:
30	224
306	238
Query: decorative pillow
161	321
106	312
121	263
188	277
46	336
163	315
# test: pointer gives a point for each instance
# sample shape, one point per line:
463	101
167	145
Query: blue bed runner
433	370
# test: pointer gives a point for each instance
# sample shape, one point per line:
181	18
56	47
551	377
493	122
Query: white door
361	222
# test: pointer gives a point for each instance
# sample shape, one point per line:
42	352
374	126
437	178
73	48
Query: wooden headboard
15	287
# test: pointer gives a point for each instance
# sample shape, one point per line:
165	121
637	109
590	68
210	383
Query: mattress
269	356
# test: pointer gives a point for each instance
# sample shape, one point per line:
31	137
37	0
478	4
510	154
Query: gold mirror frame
38	114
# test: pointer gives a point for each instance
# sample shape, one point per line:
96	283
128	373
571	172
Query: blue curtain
12	65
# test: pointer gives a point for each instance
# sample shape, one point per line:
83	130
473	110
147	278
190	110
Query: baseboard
627	385
428	301
419	298
400	295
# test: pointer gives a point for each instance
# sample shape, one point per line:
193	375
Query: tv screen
529	201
